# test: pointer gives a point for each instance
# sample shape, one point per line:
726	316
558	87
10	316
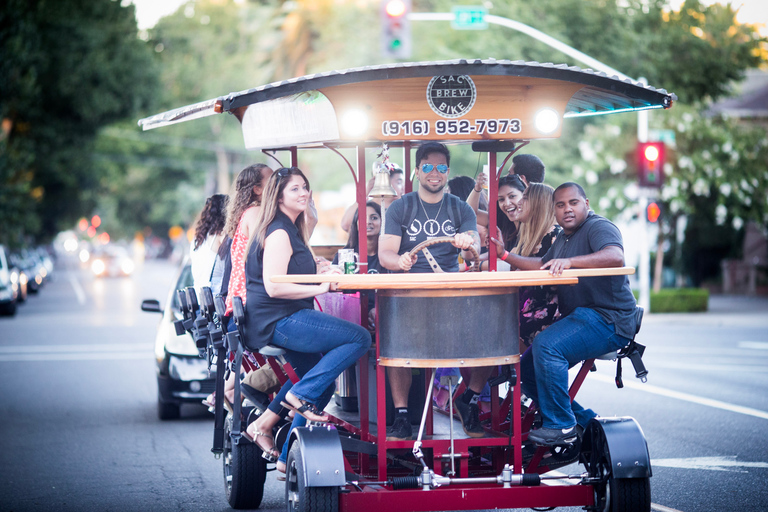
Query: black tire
614	494
9	309
168	410
245	472
630	494
299	498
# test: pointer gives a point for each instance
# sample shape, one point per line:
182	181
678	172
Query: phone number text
451	127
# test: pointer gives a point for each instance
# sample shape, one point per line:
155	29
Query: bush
679	300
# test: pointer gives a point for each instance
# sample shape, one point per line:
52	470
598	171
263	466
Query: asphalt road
79	431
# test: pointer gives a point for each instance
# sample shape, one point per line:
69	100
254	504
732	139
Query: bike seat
610	356
271	351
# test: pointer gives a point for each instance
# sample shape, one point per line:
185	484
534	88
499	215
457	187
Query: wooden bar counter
449	319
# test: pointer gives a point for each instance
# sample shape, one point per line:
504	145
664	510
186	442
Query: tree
69	68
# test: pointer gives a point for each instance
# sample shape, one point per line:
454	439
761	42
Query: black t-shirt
608	295
416	221
263	311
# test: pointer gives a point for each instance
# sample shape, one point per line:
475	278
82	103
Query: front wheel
300	498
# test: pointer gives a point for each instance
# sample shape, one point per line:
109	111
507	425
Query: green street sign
468	17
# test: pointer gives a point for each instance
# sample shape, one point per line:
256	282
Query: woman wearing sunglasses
283	314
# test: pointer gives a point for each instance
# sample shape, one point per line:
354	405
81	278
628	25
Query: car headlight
98	267
127	266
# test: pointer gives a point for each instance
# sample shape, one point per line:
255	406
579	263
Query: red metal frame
475	456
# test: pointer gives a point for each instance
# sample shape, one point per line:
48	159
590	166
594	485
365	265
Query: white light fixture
546	120
354	123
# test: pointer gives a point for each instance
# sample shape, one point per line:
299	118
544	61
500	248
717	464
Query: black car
182	375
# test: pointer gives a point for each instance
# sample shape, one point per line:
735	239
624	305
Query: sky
149	12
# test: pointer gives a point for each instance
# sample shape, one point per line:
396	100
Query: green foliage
68	68
679	300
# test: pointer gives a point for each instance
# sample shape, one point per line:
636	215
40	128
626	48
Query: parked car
19	279
182	375
8	290
31	268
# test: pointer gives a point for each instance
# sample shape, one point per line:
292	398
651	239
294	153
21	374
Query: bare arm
610	256
277	252
248	221
389	245
311	214
515	260
346	219
473	200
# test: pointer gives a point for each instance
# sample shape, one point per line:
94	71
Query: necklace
431	226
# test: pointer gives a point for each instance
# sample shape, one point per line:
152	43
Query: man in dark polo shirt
598	313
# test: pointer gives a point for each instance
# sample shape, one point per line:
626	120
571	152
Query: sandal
280	467
210	403
307	409
268	453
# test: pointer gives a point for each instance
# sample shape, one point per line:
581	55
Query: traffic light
650	165
396	29
653	212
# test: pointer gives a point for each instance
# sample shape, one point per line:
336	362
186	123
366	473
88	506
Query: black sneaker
470	418
400	430
553	436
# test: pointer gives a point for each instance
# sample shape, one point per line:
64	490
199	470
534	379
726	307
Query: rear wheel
614	494
300	498
245	472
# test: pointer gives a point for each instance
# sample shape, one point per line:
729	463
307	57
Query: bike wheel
298	497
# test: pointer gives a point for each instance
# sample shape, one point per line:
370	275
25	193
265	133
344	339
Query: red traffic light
650	164
653	212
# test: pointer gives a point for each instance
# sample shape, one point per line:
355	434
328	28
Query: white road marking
37	349
78	289
97	356
95	352
662	508
757	345
654	506
729	368
709	463
649	388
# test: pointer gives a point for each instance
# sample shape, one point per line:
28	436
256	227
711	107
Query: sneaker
401	429
470	418
553	436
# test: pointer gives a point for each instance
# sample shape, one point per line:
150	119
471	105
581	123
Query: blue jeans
301	364
582	335
309	331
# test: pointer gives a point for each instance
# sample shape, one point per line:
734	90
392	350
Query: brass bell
381	185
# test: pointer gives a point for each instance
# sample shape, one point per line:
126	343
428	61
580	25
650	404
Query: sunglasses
282	173
441	168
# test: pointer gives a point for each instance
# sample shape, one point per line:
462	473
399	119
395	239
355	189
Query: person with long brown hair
241	222
209	233
538	231
283	314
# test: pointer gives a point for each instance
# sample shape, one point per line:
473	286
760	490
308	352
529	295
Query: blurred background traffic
79	179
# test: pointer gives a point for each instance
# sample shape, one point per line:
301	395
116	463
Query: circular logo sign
451	95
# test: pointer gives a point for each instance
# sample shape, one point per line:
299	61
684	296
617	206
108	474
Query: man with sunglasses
418	216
